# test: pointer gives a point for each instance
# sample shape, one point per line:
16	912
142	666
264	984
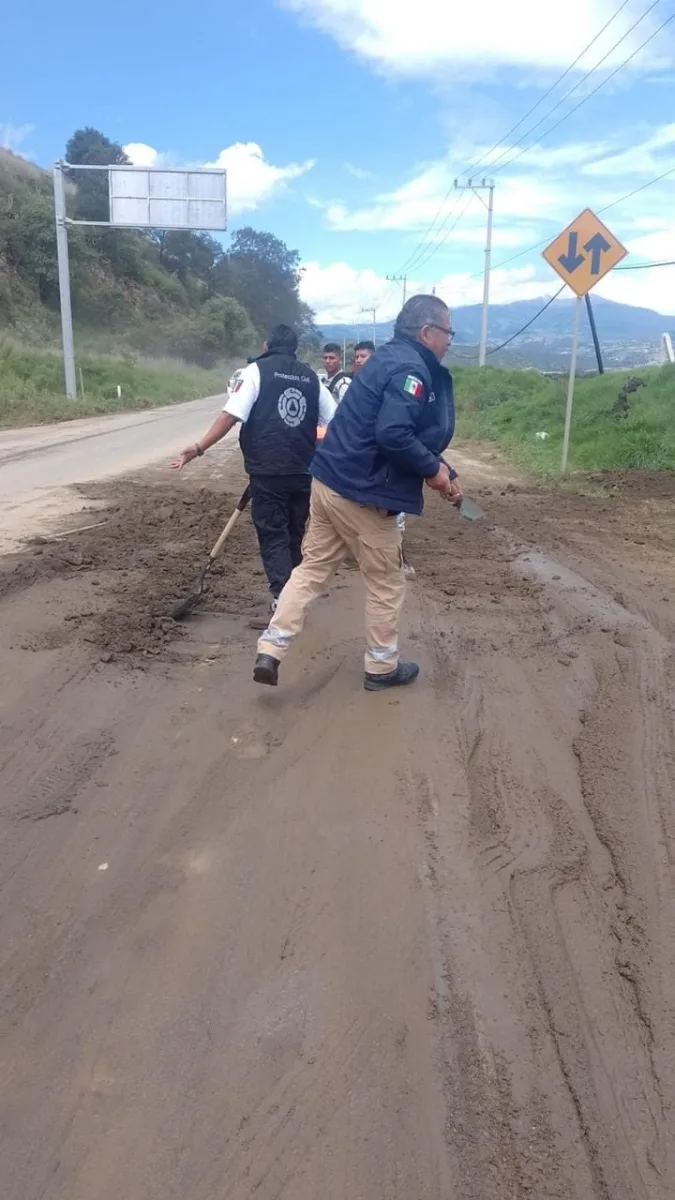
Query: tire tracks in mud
567	817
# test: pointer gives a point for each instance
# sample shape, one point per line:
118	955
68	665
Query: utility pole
64	282
399	279
373	311
477	188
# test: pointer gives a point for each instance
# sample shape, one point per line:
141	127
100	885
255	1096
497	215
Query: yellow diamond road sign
584	252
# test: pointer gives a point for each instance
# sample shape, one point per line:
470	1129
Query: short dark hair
367	345
283	339
332	348
417	312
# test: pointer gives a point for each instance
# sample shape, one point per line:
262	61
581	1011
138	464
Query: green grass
31	385
511	407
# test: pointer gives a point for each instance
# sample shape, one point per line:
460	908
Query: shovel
181	610
469	510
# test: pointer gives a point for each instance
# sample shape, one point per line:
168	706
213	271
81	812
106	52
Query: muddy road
318	943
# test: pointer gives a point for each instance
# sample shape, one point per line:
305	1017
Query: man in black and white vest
279	402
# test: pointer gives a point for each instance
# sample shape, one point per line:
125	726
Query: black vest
279	437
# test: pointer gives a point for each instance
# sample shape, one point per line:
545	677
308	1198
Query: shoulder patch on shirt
414	386
239	384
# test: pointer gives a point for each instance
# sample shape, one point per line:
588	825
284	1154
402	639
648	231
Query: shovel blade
185	606
469	510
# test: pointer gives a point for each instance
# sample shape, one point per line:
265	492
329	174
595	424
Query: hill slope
157	292
629	336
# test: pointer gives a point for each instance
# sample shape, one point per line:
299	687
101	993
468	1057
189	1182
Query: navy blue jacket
390	430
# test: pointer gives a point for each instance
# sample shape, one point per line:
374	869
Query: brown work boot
264	617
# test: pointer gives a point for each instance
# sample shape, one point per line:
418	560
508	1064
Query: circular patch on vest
292	407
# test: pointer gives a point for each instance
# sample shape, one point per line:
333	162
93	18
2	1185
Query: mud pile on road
142	555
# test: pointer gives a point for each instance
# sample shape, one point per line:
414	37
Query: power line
436	245
531	322
495	349
646	266
584	99
422	245
613	204
423	242
637	190
484	159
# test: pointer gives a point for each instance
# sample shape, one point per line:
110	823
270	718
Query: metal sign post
570	385
139	198
64	283
581	255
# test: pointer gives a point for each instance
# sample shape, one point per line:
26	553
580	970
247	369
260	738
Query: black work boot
266	670
406	672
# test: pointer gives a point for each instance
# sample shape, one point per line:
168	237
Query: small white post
570	386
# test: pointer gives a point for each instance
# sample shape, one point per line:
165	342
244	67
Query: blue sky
343	123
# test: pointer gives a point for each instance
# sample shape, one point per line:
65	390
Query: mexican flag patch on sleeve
414	386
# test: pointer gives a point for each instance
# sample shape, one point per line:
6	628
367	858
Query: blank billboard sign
149	198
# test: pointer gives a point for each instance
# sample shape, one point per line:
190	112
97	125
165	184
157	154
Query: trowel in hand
469	510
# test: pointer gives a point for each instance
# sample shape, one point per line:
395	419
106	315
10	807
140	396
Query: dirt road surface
39	465
314	942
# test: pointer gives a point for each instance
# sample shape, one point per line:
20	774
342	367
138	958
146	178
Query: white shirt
247	390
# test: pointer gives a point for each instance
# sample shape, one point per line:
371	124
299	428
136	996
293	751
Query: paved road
39	465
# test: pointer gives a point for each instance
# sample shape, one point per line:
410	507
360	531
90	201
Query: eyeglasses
443	328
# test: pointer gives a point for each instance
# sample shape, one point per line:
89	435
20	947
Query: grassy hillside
613	426
31	386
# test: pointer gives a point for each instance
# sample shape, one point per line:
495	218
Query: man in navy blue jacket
384	443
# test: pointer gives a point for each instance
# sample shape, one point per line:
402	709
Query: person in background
385	442
278	401
362	352
337	379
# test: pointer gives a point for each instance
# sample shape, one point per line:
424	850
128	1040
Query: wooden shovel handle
246	496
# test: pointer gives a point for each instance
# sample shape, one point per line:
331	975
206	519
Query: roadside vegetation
620	420
31	385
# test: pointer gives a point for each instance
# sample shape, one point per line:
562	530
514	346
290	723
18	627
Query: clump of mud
144	558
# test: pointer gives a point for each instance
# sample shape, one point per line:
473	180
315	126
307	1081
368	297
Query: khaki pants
336	527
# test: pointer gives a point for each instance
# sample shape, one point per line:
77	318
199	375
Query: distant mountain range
628	336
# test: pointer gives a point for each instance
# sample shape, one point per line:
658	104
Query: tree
92	148
186	254
220	328
264	275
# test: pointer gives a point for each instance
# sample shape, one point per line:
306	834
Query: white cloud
645	289
251	179
12	136
143	156
474	37
359	172
637	160
428	205
337	292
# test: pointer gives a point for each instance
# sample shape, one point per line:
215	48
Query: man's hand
184	458
449	489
